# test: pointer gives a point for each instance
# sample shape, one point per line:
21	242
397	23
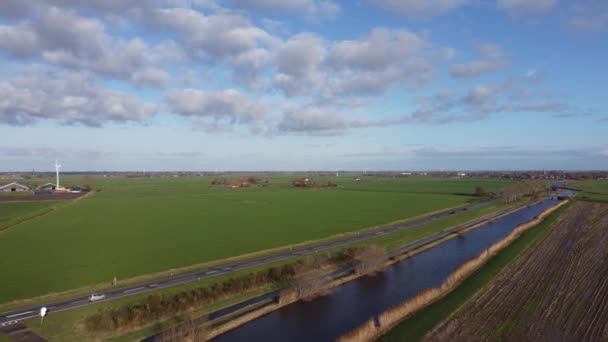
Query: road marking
153	285
211	272
8	323
131	290
19	314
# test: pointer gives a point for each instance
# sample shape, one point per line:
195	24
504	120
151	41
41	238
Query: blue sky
303	84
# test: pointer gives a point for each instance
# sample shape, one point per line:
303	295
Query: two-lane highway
7	318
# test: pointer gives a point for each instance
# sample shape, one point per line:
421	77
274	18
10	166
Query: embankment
377	326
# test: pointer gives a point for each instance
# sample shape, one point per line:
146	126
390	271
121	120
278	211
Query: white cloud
491	58
420	8
381	48
68	98
316	8
591	16
63	37
150	77
222	38
520	7
215	111
298	64
372	64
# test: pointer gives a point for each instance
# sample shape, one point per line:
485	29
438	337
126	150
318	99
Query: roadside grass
415	327
139	226
398	239
5	338
65	325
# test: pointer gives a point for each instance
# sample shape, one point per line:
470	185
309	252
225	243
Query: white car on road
95	297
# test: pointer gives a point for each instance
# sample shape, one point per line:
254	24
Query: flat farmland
594	190
12	213
556	292
138	226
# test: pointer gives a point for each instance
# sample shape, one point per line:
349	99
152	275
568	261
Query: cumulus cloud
520	7
311	8
418	9
299	64
221	38
218	111
360	67
63	37
483	100
491	58
68	98
323	120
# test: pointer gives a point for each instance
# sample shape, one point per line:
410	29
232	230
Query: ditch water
348	306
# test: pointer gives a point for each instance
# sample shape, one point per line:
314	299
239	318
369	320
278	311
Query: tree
86	183
481	191
371	259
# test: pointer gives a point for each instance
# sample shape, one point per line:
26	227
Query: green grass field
140	226
64	326
594	190
12	213
415	327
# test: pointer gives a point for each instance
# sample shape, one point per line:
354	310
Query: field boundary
59	205
369	331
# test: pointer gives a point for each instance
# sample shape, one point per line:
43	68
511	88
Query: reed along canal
346	307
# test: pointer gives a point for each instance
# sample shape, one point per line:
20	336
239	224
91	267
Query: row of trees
305	276
517	190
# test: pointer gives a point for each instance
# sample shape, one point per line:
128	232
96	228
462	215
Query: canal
329	317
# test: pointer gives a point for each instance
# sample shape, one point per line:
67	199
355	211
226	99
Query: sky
164	85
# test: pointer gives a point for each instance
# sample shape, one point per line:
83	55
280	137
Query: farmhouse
47	186
13	187
301	182
241	183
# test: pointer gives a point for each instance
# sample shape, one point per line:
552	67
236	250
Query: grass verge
414	328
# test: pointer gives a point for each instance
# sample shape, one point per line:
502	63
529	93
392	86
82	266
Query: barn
14	187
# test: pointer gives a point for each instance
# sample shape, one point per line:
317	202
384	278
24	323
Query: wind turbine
57	166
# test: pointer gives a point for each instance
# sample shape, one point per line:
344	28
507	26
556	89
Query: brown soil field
556	292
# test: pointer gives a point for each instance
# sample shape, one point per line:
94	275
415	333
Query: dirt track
557	292
39	198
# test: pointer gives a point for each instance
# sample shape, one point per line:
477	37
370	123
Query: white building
14	187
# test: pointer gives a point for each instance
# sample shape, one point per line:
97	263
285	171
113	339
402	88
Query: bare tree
371	259
311	281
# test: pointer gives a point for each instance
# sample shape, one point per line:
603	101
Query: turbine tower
57	166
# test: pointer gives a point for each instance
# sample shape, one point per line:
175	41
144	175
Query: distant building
47	186
301	182
14	187
241	183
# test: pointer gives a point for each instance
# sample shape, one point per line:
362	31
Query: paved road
14	316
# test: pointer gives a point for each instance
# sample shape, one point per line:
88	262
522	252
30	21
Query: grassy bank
414	328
